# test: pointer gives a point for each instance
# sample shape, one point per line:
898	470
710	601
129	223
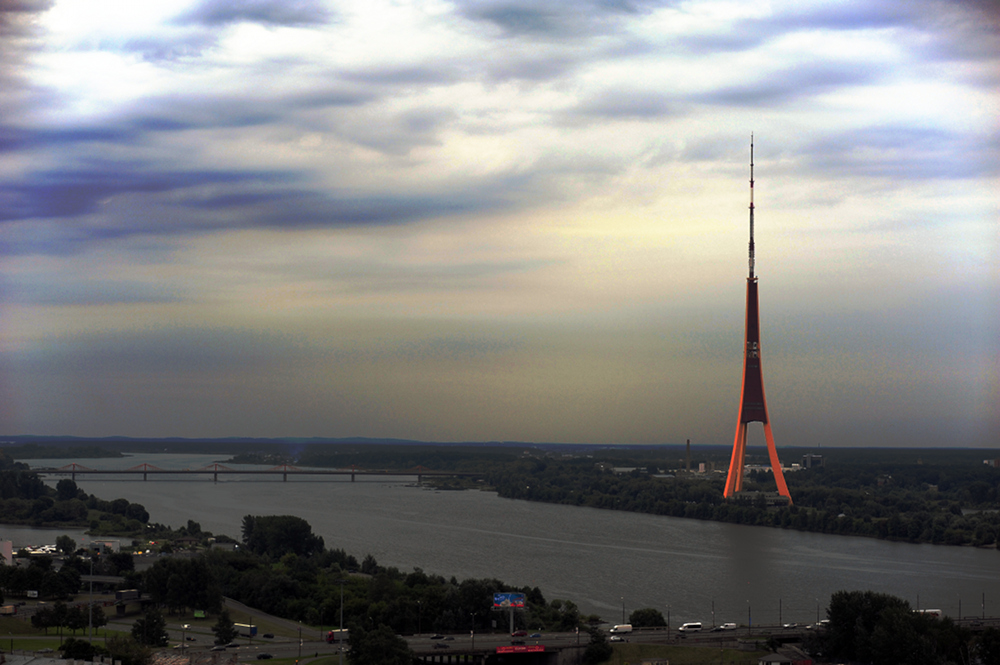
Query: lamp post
90	604
473	631
749	619
340	635
300	643
713	613
184	637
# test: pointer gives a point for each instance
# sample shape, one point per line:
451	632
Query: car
728	626
449	638
268	636
189	638
233	645
264	656
519	633
437	637
535	635
441	645
617	638
219	647
789	625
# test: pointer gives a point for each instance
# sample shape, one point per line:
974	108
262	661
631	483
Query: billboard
508	599
522	648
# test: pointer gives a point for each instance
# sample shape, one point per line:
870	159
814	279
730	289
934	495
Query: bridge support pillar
284	477
144	475
215	477
352	476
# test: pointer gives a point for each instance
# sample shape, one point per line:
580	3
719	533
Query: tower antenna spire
751	206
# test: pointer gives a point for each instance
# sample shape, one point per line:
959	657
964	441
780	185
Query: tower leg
779	477
734	481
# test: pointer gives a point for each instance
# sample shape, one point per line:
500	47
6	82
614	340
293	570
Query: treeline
26	499
946	505
306	586
877	628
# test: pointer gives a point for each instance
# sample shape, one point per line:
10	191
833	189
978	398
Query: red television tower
753	406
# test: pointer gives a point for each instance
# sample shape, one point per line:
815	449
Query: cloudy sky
477	220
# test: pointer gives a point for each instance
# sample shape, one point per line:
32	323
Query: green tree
128	650
648	617
151	629
987	646
225	631
66	489
74	649
277	535
379	646
65	544
76	618
598	650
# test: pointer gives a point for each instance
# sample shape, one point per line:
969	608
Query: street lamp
340	635
184	636
300	643
90	604
473	631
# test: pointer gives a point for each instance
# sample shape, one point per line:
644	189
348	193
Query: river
601	560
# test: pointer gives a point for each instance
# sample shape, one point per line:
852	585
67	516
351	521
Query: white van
692	627
622	628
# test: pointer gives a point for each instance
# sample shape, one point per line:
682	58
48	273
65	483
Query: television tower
753	406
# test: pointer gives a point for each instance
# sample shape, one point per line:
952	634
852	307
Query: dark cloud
545	67
16	15
904	153
782	86
551	19
134	200
18	290
75	192
396	76
290	13
626	105
172	48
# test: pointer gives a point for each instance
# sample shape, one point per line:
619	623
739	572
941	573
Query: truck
337	635
7	610
622	628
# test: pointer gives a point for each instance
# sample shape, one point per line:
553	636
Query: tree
277	535
988	646
648	617
66	489
64	543
225	631
598	650
379	646
76	618
128	650
151	629
74	649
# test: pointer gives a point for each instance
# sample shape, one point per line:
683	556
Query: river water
599	559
